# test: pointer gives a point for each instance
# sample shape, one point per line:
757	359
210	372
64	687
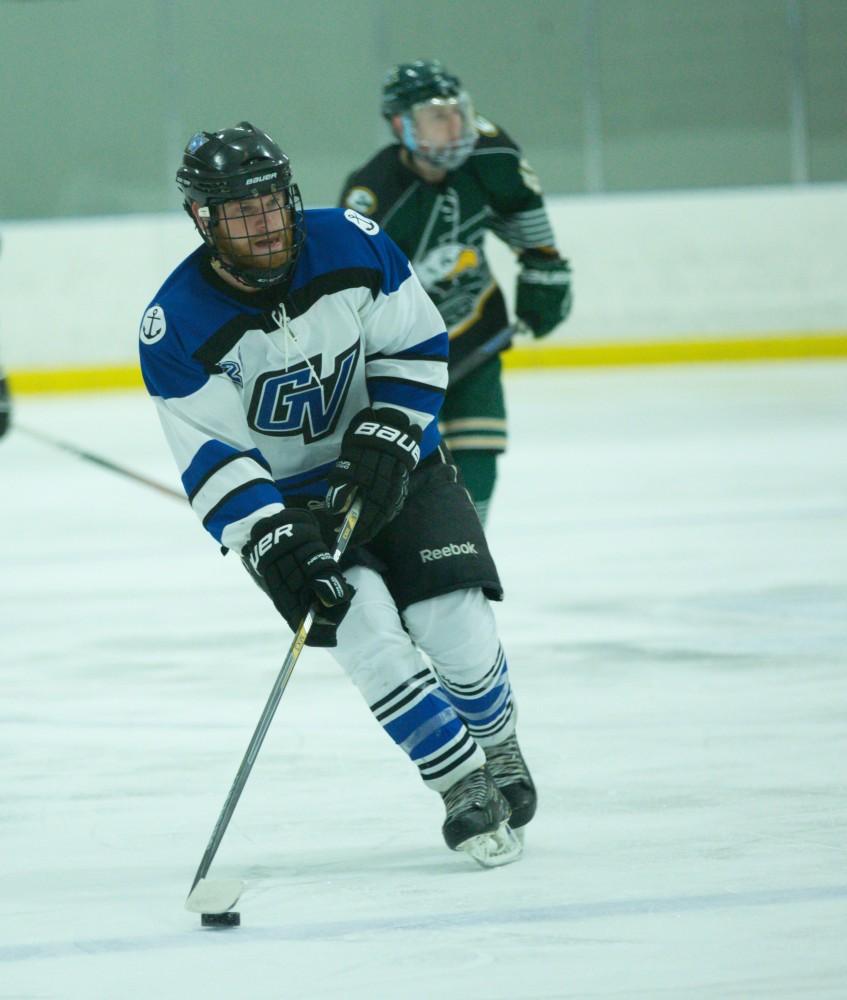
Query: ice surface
673	542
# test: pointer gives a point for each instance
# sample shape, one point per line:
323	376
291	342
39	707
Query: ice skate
511	775
477	821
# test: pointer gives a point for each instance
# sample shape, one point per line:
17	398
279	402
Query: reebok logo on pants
465	549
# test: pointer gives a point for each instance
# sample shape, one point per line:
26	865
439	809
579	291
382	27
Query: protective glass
441	131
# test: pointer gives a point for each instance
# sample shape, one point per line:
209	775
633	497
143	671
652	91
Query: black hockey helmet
413	83
237	165
407	90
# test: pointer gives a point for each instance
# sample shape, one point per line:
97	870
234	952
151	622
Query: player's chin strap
220	895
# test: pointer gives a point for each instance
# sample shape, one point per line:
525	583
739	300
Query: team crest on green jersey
446	263
455	275
362	200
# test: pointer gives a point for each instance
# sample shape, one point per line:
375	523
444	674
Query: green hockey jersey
441	227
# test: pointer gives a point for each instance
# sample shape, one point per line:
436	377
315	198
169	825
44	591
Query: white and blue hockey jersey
255	391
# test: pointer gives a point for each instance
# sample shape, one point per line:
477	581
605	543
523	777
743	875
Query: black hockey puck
229	919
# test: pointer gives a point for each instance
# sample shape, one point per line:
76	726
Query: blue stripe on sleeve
315	489
292	482
413	396
238	504
211	456
431	439
309	484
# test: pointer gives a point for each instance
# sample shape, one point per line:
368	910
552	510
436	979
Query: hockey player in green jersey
450	176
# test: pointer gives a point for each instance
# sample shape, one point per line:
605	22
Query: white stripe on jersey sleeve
215	413
228	478
422	370
396	323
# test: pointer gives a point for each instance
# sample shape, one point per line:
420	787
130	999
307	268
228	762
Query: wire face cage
258	238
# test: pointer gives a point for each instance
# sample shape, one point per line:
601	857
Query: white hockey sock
459	634
402	691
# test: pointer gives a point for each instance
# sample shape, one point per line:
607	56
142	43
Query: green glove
544	295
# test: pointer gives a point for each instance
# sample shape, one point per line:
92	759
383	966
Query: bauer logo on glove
379	452
289	559
267	540
385	433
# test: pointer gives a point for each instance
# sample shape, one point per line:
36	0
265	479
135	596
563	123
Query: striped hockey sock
459	634
485	705
399	686
419	717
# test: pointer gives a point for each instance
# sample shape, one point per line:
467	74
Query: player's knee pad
459	634
457	630
373	647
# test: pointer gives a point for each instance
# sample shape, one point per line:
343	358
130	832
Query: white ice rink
673	542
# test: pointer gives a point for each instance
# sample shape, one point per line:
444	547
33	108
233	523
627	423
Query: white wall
719	264
646	267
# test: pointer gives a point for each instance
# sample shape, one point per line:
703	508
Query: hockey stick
220	895
499	342
105	463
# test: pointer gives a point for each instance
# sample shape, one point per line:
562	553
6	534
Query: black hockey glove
288	554
544	295
379	451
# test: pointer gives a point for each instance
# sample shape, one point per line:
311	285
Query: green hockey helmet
426	89
413	83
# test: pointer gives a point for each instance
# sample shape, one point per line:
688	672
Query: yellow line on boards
75	379
676	352
538	355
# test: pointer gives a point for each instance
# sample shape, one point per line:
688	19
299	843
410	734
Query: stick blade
214	895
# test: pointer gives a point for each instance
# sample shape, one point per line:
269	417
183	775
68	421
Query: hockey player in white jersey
294	358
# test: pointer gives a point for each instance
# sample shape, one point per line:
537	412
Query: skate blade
492	850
